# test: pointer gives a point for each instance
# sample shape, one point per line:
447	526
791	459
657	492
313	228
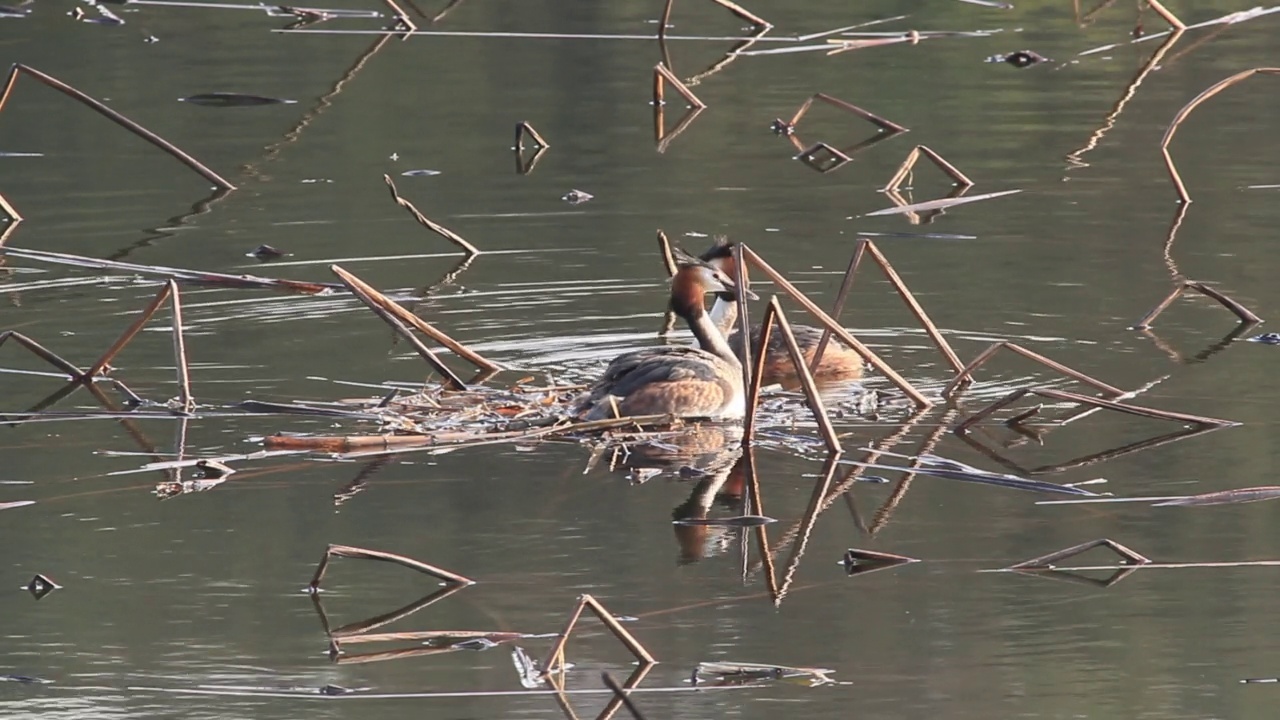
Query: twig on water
829	436
1063	396
14	216
402	17
986	355
941	163
348	551
524	129
664	247
185	401
381	306
623	695
663	136
662	75
352	282
844	335
823	157
192	276
428	223
882	123
940	204
868	246
757	22
554	661
1240	311
1046	562
1169	17
114	116
44	353
1186	110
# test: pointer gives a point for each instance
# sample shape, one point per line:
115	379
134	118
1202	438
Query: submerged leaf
227	99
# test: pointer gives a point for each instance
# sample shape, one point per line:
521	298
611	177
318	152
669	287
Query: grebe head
720	256
695	279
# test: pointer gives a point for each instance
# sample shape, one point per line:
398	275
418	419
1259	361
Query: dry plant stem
1186	110
668	260
349	551
744	324
555	658
662	74
525	128
428	223
130	332
422	326
986	355
180	350
45	354
757	375
743	13
842	295
806	381
921	316
845	336
115	117
914	156
622	696
401	16
870	117
1169	17
665	19
10	210
369	297
1047	561
1240	311
1131	409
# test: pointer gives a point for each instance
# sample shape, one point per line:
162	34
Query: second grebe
705	381
839	362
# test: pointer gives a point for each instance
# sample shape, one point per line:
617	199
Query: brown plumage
685	382
838	361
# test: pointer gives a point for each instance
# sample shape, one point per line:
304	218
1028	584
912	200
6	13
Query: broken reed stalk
45	354
1186	110
196	276
882	123
402	16
846	284
905	168
1169	17
1046	562
755	20
523	129
620	693
661	75
357	553
1240	311
555	658
741	283
417	323
180	350
756	375
10	210
845	336
668	260
428	223
1064	396
115	117
99	367
806	380
377	302
986	355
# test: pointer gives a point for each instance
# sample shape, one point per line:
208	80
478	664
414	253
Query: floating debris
40	586
732	673
420	173
1266	339
576	197
1225	497
228	99
16	504
739	521
334	690
1019	59
25	679
267	252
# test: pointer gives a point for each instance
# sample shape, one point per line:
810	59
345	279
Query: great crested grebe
705	381
838	361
